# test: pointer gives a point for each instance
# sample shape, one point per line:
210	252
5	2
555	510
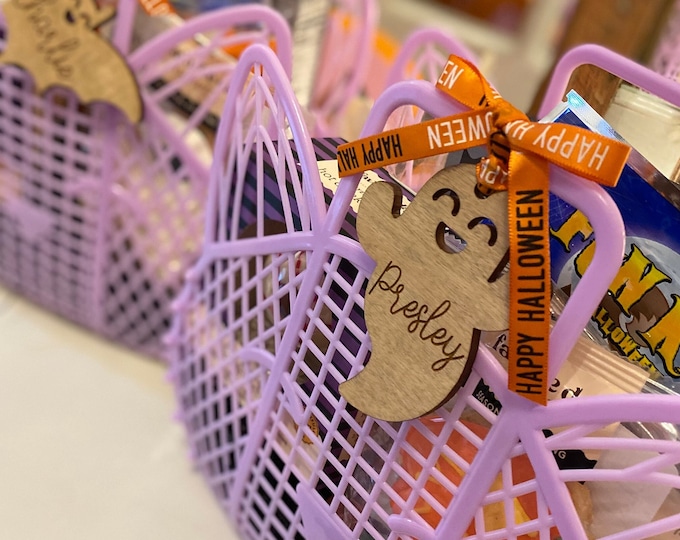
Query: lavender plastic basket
99	219
270	321
421	57
343	62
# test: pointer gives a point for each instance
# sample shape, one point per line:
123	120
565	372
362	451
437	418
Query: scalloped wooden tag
438	281
57	43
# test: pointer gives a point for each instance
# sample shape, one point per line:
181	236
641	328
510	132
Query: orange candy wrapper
525	506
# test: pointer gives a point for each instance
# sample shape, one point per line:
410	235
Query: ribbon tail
528	223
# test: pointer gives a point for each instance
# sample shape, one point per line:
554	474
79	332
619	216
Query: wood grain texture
425	303
56	42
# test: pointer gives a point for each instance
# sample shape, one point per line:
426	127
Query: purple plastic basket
344	62
99	219
270	321
422	56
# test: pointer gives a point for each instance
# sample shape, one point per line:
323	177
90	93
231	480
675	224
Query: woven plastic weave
99	219
270	321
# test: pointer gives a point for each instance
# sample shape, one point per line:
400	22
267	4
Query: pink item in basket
100	218
665	58
257	360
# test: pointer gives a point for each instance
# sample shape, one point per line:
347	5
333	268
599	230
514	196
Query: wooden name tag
439	280
57	43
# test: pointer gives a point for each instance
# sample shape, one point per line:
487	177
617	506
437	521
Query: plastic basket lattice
99	219
271	321
343	61
421	57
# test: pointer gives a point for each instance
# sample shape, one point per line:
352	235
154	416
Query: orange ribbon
519	152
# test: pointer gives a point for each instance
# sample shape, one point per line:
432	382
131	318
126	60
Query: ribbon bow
519	153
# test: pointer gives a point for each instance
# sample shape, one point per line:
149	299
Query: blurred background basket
99	218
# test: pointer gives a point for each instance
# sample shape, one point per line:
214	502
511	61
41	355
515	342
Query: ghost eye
449	193
493	232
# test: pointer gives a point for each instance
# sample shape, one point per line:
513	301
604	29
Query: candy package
639	316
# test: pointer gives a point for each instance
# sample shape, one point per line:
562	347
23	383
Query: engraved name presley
424	319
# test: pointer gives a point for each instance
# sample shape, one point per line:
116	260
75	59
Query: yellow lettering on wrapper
663	337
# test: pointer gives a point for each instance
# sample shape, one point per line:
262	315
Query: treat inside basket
270	323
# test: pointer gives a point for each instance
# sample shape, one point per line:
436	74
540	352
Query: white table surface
88	447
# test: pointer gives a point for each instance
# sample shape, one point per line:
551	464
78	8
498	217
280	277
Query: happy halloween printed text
372	152
532	294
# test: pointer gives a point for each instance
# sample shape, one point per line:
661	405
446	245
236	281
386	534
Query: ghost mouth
449	240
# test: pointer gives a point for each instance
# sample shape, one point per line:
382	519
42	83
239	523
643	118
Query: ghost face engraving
438	280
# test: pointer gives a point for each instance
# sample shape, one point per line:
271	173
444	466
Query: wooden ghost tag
438	281
57	43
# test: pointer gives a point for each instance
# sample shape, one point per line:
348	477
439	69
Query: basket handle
612	62
255	60
420	48
340	76
124	23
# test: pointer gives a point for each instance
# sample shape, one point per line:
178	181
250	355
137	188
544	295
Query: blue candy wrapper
640	316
